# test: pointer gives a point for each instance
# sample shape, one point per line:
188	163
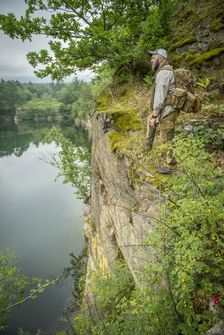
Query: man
163	114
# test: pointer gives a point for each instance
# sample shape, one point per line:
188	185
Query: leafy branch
41	287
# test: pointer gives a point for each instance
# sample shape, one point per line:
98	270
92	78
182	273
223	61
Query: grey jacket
164	87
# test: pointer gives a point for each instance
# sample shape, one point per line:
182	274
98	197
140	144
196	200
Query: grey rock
218	329
189	128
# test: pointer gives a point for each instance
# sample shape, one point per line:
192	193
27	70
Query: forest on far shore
29	101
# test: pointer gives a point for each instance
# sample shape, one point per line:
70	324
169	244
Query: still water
40	219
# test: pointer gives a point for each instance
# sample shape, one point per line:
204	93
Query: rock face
218	329
120	219
197	38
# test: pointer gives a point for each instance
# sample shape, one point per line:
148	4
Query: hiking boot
173	162
162	170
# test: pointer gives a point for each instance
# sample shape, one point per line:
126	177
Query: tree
15	287
12	93
70	92
86	33
12	285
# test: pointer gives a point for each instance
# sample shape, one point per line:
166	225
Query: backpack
184	98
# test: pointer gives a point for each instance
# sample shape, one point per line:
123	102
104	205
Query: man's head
158	56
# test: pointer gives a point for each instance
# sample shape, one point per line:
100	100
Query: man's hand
153	118
153	122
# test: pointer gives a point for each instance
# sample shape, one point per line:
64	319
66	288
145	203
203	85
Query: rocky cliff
120	217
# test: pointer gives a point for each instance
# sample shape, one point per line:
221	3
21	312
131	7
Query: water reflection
16	138
39	218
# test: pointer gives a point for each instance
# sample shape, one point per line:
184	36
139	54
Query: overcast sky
13	61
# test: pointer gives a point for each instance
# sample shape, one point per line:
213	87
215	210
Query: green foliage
212	138
77	99
111	295
217	24
85	34
204	83
14	285
12	93
73	163
215	109
186	266
156	27
182	42
188	239
103	78
77	270
39	108
148	80
85	103
43	101
207	56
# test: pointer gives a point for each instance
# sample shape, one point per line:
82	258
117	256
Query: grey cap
161	52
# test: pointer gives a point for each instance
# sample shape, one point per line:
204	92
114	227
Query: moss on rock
217	25
125	119
103	102
196	27
116	141
207	56
182	42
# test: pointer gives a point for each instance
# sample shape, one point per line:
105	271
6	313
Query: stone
218	329
189	128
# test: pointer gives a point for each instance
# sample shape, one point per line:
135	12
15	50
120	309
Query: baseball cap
161	52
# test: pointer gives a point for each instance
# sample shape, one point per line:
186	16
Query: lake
41	219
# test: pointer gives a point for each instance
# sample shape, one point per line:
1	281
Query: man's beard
155	66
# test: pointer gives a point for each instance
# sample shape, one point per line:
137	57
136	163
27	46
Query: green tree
12	93
70	92
73	163
15	287
12	285
87	33
85	103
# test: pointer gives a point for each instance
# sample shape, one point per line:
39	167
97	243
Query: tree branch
77	13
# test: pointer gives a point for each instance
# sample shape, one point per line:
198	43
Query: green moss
183	42
123	123
116	141
102	102
190	16
174	58
216	25
207	55
190	57
183	60
125	119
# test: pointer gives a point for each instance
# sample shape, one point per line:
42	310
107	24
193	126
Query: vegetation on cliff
187	243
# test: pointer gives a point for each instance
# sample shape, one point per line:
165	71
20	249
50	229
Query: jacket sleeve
161	89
